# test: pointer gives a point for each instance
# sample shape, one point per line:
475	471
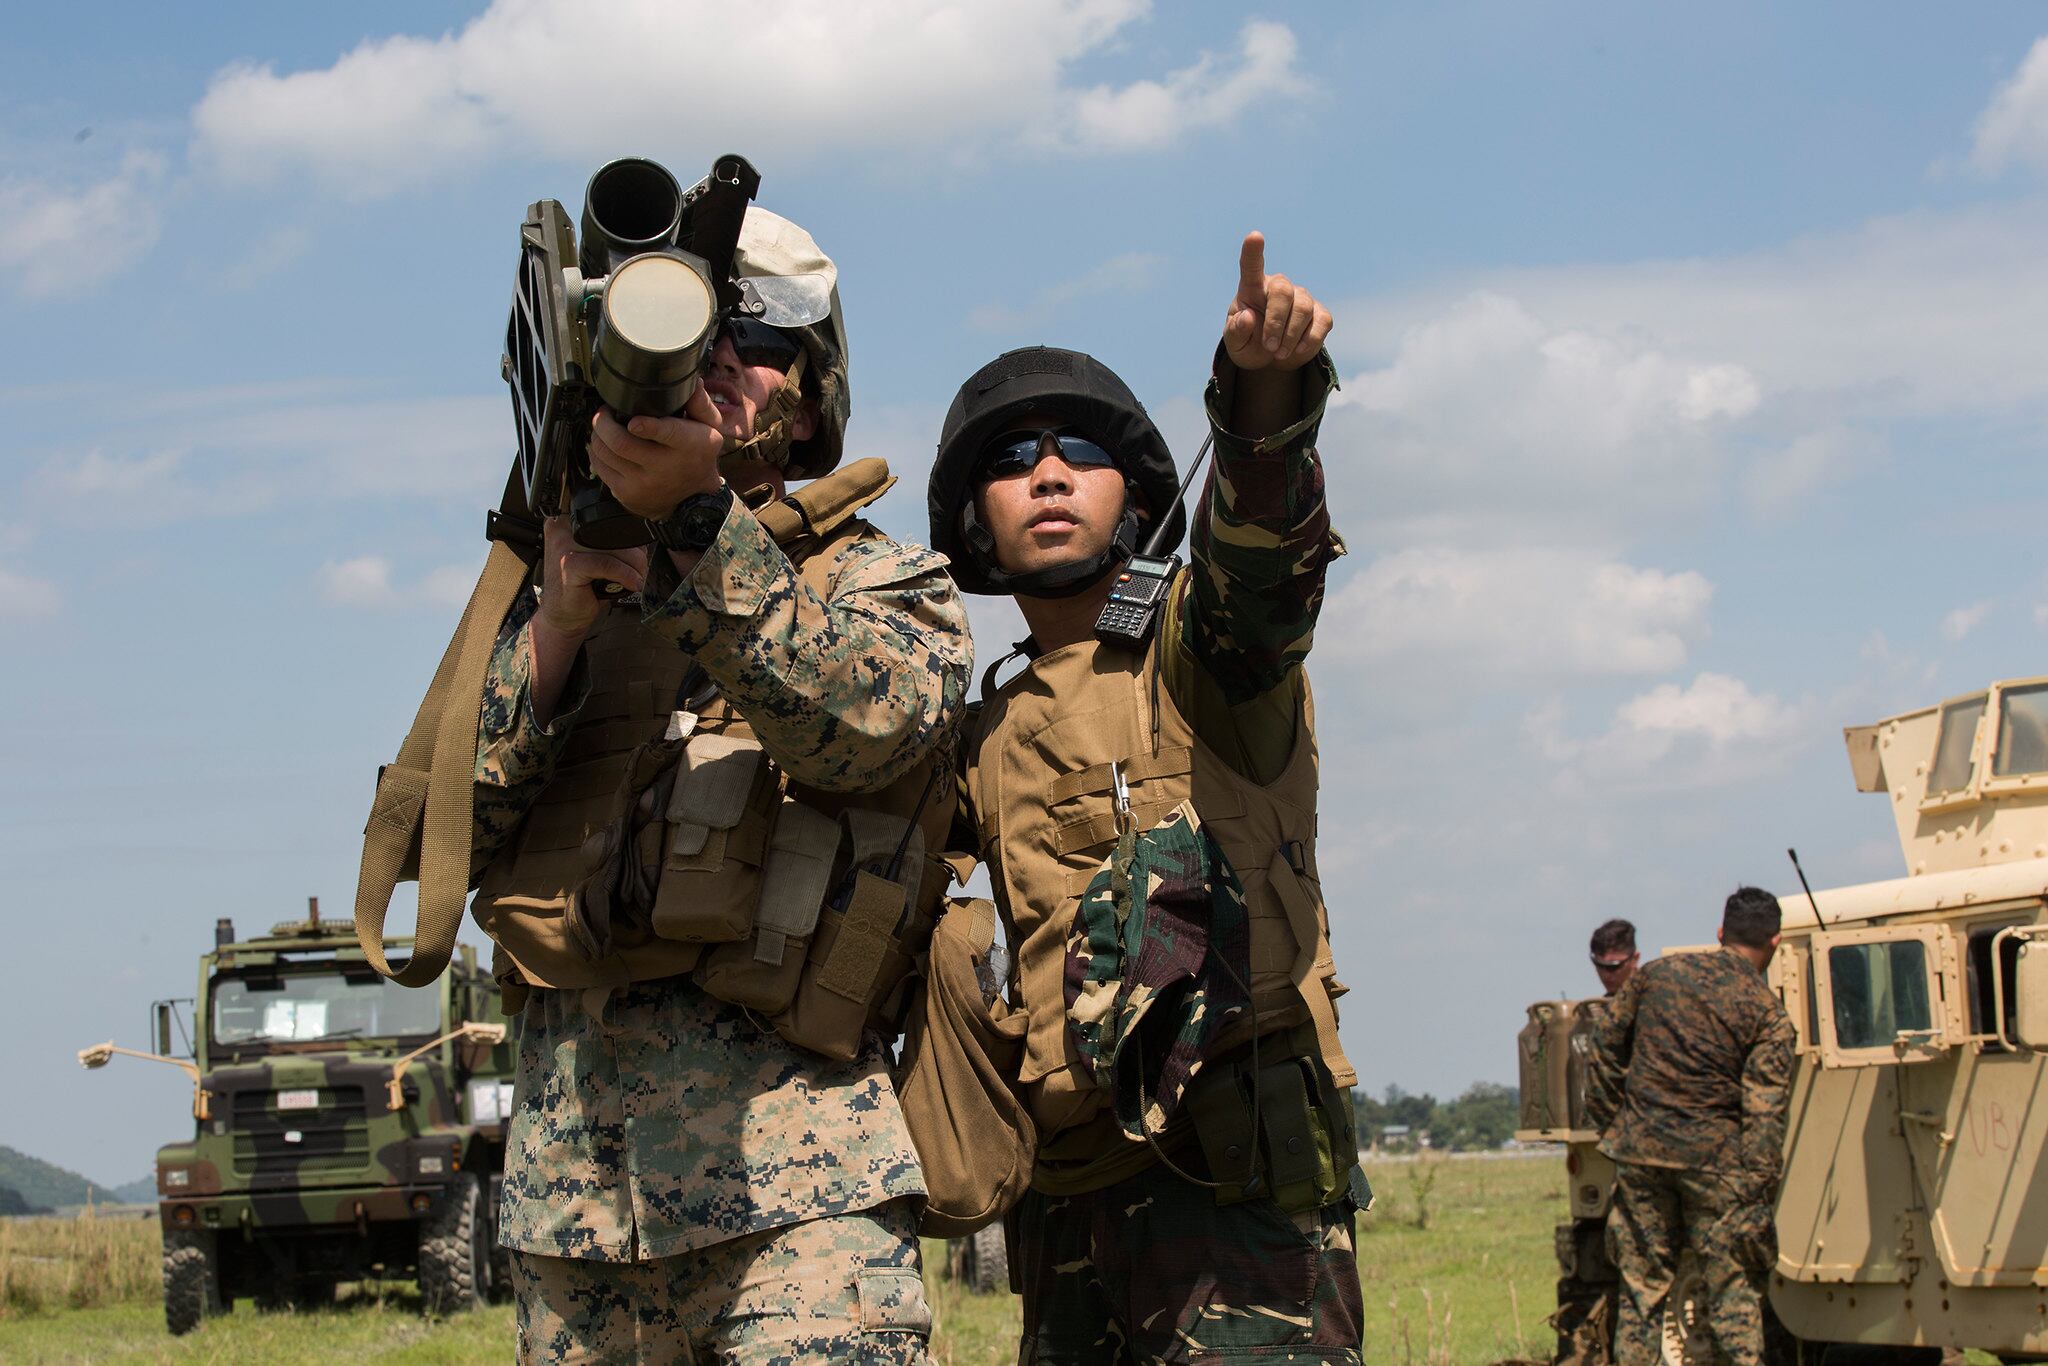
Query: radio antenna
1793	854
1153	542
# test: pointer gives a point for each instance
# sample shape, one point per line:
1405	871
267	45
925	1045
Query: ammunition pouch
1278	1127
749	873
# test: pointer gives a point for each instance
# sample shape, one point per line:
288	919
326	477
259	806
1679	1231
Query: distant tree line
11	1203
1482	1118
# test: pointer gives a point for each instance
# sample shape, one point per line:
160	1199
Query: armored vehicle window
1980	969
1951	771
2022	731
1880	990
307	1007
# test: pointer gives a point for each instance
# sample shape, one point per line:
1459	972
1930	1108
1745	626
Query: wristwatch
695	522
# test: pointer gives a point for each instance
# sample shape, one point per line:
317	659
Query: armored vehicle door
1872	1008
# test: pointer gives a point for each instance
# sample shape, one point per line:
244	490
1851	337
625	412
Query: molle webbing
1041	792
422	819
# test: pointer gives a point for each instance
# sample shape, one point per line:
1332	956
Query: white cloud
105	488
1779	479
2014	126
265	258
56	238
1964	620
795	80
1711	732
362	582
1921	313
1131	273
228	452
366	582
1148	114
1487	410
25	597
1504	612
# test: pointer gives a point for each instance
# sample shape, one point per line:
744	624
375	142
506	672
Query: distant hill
40	1183
12	1203
141	1191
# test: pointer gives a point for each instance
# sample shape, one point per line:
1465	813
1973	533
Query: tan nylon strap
771	440
1166	763
1308	938
431	788
824	505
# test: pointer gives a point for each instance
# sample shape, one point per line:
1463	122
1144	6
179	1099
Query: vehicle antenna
1793	854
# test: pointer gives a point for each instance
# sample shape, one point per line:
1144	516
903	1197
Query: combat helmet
1087	393
798	286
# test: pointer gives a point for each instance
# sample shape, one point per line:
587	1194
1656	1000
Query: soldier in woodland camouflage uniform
1147	814
1691	1076
682	1183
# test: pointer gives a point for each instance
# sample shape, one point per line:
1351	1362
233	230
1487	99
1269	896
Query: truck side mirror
2030	991
163	1027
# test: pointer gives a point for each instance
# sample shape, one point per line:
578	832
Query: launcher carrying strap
426	797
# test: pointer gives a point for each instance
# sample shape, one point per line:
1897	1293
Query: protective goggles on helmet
759	344
1019	452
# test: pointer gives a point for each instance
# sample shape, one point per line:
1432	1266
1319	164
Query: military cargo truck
345	1127
1910	1219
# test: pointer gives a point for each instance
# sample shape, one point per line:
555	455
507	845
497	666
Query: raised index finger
1251	266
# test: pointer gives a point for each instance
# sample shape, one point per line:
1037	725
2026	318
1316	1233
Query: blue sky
1693	408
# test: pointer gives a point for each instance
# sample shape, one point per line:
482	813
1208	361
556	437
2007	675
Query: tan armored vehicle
1911	1217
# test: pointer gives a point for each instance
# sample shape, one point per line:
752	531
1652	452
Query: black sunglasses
1018	452
759	344
1612	965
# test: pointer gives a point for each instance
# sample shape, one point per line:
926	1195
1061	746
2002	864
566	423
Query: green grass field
1455	1262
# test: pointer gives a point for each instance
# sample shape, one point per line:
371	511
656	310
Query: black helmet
1086	392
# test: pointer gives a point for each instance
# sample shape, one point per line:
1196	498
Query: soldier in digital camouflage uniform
1147	815
681	1183
1691	1075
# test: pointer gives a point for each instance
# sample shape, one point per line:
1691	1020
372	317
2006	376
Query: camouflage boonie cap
1157	966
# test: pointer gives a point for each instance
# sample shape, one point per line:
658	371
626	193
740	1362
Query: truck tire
454	1261
980	1261
191	1279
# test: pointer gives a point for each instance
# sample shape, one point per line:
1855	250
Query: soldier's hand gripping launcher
626	321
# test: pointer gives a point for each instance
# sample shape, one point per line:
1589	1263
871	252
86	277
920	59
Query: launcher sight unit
625	321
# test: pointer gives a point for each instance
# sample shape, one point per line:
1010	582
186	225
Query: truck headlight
430	1166
177	1177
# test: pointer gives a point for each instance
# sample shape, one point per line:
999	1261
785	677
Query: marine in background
1143	791
702	811
1691	1077
1614	954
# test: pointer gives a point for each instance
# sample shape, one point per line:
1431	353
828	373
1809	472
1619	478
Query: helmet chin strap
1058	581
772	437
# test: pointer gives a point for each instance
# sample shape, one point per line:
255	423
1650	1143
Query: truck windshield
2022	731
306	1007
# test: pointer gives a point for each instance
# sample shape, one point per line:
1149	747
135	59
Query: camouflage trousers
1658	1213
1152	1269
843	1288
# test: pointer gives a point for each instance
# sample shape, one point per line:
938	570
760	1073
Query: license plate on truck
298	1100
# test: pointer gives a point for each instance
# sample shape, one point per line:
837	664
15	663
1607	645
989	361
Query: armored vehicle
346	1127
1910	1219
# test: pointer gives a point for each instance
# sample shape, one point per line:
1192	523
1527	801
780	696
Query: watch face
695	524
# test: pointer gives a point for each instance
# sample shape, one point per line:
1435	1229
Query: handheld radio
1138	594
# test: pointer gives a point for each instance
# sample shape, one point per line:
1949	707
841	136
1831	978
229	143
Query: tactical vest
669	841
1040	785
